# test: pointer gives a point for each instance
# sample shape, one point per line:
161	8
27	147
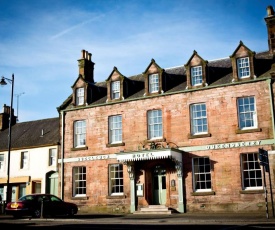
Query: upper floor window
198	119
52	157
80	96
115	88
79	133
196	75
79	181
247	113
115	129
115	179
153	83
243	67
24	161
251	171
154	124
1	162
201	174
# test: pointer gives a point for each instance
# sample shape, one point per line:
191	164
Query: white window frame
154	119
79	181
243	67
115	129
80	96
116	186
2	161
198	115
79	133
153	83
251	171
52	156
202	181
115	88
196	75
247	113
24	160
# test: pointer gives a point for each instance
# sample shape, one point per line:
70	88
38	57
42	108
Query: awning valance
174	154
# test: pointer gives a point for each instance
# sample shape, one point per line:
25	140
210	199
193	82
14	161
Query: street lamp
3	82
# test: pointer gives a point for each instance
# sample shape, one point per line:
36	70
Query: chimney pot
83	54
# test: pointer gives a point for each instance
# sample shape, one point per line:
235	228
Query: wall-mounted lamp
173	183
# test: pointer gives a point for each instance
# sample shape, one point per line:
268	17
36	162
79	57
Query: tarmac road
184	221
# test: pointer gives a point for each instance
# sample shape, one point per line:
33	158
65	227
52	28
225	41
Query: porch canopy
174	154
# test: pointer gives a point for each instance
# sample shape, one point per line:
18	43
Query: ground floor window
201	174
79	181
251	171
115	179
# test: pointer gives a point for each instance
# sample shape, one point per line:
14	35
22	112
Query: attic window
196	75
79	96
243	67
153	83
115	88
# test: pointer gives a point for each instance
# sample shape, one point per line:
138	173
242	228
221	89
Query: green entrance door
159	185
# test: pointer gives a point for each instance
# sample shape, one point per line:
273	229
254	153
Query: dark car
41	205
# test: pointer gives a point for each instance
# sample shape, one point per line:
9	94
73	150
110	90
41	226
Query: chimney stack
5	117
270	23
86	66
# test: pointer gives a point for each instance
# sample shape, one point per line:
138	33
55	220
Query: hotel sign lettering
92	158
234	145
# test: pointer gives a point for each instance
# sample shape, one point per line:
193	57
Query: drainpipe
62	155
272	107
273	128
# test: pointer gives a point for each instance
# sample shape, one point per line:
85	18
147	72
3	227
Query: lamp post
3	82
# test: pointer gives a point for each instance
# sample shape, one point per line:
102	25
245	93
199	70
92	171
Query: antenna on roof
18	95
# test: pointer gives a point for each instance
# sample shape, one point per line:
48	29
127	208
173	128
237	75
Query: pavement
175	218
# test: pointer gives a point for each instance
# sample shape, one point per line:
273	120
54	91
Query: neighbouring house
33	156
195	138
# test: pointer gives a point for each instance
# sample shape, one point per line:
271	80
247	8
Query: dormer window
153	83
80	96
196	71
243	67
115	88
196	75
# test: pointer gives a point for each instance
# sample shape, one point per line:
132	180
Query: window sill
240	131
80	198
116	197
79	148
191	136
115	145
202	193
252	191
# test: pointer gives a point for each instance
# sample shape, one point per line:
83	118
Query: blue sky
41	41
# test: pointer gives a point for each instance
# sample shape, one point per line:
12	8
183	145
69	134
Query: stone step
154	209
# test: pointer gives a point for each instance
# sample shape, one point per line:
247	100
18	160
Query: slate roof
31	134
219	73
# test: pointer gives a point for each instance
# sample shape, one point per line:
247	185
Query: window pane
115	129
201	174
79	181
115	88
115	179
243	67
80	96
198	119
153	83
196	75
155	124
251	171
247	113
79	133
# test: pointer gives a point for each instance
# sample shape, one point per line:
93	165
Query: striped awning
174	154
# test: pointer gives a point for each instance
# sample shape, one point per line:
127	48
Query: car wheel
36	213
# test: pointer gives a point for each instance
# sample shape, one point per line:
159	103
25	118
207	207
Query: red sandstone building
183	139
